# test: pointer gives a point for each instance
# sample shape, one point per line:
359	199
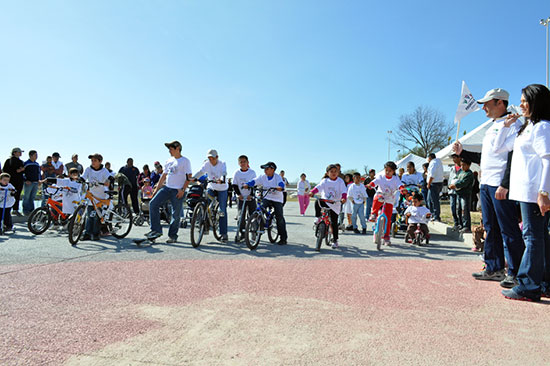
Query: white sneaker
334	245
387	242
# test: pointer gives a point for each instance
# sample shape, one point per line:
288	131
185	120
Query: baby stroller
400	222
143	215
194	195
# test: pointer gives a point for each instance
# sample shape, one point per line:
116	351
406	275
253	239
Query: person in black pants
131	172
14	166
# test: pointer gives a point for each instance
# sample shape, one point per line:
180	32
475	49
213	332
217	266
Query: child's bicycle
261	220
205	216
118	219
322	227
419	236
41	218
380	225
242	217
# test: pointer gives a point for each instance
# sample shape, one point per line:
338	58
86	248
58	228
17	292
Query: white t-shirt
71	195
214	172
240	178
303	187
332	190
263	181
358	192
176	172
412	179
418	214
10	199
435	170
527	177
98	179
497	142
387	187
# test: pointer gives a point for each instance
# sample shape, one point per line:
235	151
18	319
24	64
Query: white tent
417	160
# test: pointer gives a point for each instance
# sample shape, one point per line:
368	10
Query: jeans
278	210
456	209
534	271
358	209
222	200
92	223
433	200
28	197
368	209
503	236
465	202
163	195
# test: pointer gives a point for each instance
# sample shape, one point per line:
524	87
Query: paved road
112	303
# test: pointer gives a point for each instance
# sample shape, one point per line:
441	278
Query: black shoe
95	237
364	232
86	237
466	231
356	231
349	228
224	238
509	282
281	242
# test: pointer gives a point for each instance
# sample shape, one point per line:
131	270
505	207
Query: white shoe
387	242
335	245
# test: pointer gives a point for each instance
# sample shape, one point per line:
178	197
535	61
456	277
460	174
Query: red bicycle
322	227
41	218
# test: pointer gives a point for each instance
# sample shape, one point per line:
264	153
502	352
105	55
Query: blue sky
301	83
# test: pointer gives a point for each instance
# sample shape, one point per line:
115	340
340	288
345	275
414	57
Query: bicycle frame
267	212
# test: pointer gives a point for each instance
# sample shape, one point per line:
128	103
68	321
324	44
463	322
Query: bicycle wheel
252	232
198	224
328	236
380	230
272	232
216	221
39	220
77	222
321	234
394	230
120	221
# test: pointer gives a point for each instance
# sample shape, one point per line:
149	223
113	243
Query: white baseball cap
212	153
494	94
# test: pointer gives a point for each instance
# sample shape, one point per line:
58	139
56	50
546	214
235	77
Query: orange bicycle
41	218
117	218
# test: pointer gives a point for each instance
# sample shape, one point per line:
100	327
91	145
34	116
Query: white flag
467	103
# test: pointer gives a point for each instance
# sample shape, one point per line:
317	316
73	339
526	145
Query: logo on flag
467	103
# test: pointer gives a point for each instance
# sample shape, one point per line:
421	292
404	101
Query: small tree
425	130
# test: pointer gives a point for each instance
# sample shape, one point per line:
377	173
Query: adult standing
74	164
14	167
145	174
32	178
216	170
131	172
170	187
303	189
57	164
500	218
370	192
434	185
285	181
530	186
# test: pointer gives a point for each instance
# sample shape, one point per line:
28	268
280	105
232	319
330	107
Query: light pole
389	144
546	23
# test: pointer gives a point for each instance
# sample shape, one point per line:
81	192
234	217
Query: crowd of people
513	186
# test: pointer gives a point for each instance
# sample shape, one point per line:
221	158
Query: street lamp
546	23
389	144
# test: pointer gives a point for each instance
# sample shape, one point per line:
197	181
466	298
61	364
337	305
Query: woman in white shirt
529	185
303	193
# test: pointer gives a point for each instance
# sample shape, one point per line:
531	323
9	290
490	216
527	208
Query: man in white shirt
500	218
434	184
171	186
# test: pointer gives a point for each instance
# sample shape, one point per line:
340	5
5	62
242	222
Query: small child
463	185
388	184
417	214
71	193
98	177
332	188
357	194
7	200
146	189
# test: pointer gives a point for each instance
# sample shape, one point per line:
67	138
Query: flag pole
457	130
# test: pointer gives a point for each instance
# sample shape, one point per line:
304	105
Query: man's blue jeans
358	210
29	194
369	206
503	236
433	200
534	271
222	200
166	194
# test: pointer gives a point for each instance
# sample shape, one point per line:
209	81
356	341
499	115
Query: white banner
467	103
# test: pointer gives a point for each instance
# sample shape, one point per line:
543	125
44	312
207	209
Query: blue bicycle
380	226
261	220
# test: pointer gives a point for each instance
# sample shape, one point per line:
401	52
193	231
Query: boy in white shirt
7	200
357	193
72	191
98	177
274	199
417	214
216	170
245	201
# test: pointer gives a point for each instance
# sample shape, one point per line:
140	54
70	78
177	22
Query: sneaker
489	276
509	282
86	237
281	242
302	215
372	218
387	242
171	240
356	231
349	228
334	245
95	238
364	232
512	295
224	238
152	235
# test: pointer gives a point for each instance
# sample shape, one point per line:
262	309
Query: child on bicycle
387	183
417	214
245	202
273	199
7	200
98	179
331	188
357	194
71	192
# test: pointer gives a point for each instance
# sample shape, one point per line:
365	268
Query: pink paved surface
415	311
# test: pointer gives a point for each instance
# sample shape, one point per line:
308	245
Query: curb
446	230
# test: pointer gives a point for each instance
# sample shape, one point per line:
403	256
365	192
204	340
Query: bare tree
423	131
